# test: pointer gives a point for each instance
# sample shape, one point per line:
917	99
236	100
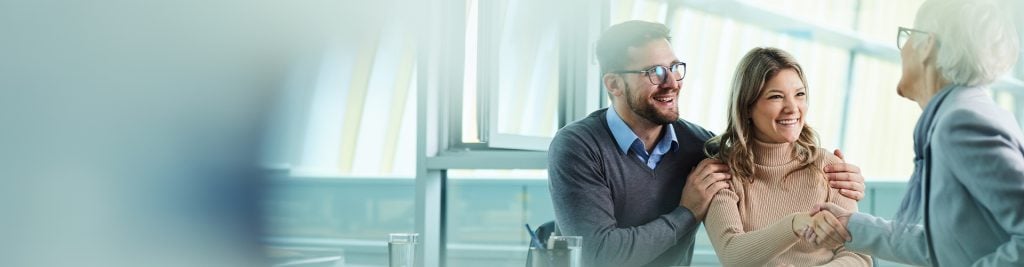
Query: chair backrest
546	230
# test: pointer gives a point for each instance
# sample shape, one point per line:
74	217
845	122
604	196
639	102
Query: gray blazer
975	192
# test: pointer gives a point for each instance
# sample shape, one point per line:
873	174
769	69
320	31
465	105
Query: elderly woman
777	168
968	180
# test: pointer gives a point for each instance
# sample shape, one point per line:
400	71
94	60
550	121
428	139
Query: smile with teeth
664	99
788	122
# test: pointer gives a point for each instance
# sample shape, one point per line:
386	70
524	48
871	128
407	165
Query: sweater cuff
783	230
683	221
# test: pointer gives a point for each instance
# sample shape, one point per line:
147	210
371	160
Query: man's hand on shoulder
846	177
702	184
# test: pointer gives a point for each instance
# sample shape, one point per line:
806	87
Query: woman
968	180
776	164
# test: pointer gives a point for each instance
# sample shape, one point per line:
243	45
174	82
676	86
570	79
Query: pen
533	238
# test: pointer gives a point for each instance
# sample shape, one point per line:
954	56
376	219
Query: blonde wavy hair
733	147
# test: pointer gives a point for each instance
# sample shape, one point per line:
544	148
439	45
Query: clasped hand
824	226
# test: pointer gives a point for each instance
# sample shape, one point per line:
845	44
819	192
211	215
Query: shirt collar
624	136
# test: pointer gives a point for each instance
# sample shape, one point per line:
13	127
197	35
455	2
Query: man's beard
648	111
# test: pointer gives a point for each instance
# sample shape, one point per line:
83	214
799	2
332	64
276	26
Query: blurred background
253	133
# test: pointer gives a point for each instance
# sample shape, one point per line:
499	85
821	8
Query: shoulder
972	113
692	138
588	129
973	107
582	141
826	157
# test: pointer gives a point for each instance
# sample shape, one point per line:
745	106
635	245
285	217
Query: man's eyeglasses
903	35
659	74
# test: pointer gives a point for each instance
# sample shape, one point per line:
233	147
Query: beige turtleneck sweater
751	224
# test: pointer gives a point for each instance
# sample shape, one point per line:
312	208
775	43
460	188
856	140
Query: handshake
824	226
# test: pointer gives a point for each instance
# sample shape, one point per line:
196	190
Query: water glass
402	249
573	243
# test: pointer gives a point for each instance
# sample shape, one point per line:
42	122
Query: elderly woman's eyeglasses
659	74
903	35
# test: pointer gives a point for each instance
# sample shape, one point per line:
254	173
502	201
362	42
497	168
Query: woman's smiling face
778	115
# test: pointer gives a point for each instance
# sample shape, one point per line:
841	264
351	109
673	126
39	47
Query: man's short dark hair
612	46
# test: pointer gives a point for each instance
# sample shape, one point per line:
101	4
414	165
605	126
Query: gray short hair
977	41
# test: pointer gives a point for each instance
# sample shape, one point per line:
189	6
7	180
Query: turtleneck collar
768	154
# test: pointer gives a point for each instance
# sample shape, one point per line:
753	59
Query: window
486	213
345	138
511	88
505	75
351	110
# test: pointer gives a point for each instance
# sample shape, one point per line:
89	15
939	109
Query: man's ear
614	84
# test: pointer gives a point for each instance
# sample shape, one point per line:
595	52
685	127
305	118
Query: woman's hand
801	222
828	227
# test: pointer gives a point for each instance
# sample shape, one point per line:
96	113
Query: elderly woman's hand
845	177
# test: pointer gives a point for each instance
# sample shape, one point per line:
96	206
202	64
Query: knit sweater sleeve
736	247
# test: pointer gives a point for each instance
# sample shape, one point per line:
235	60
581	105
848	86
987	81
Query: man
617	176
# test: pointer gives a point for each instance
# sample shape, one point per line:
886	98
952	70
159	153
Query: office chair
546	230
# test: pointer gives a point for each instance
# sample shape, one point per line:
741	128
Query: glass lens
657	75
680	70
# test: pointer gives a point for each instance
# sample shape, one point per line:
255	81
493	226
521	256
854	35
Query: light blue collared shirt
627	140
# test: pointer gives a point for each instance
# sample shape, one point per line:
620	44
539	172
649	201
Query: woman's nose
790	105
